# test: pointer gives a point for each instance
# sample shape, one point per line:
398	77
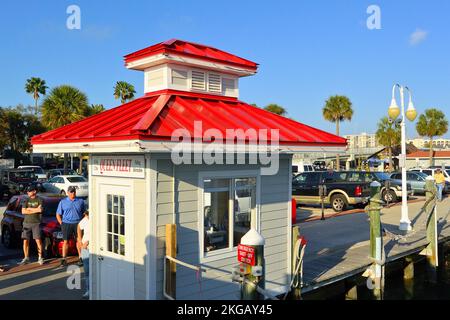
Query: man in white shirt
84	234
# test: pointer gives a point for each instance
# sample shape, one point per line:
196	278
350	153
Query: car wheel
7	238
63	193
338	202
389	196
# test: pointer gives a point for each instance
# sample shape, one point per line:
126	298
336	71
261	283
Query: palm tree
431	124
94	109
35	86
337	109
64	105
274	108
124	91
388	135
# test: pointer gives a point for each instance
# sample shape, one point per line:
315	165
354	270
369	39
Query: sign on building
246	254
119	166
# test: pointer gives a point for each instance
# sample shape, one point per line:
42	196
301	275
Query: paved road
36	282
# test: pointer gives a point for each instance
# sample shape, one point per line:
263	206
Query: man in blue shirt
69	213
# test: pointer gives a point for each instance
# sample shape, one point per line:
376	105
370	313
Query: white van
38	172
299	166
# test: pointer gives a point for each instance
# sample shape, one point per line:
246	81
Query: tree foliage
124	91
275	108
35	87
388	135
432	123
64	105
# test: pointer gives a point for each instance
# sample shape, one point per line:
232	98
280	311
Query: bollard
248	291
376	240
431	251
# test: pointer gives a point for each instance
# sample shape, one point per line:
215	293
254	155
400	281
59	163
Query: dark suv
340	191
51	236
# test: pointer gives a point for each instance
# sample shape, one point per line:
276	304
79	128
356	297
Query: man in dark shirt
32	209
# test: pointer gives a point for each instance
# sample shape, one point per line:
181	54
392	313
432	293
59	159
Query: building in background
421	143
363	140
421	159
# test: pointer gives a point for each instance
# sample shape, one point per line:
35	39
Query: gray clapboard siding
274	200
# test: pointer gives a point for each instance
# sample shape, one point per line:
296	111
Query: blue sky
307	50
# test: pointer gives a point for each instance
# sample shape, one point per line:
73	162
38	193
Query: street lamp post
411	114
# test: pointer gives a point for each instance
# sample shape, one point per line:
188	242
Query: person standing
69	213
32	209
440	183
84	236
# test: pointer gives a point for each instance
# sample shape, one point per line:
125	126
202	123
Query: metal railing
260	290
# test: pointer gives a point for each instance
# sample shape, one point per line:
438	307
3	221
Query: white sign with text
119	166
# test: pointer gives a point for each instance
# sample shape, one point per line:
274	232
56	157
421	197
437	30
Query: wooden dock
339	248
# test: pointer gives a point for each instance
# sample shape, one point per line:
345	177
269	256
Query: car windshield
21	175
381	175
76	179
448	172
422	174
37	170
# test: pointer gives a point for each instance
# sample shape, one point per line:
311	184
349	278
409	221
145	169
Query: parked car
51	235
432	170
393	194
15	181
59	172
340	191
38	172
60	184
416	179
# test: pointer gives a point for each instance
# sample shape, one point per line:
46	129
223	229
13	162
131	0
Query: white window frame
206	257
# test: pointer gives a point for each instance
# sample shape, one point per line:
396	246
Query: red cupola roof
193	50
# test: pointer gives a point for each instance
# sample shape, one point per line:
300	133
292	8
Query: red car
51	235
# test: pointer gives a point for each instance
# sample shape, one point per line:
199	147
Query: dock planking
337	255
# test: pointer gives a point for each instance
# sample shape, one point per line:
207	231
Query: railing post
256	277
376	240
297	290
431	250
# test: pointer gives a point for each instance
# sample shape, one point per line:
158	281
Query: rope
395	236
297	279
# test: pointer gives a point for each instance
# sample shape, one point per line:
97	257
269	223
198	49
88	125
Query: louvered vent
214	83
179	77
198	80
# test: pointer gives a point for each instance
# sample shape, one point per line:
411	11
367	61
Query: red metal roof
195	50
426	154
157	115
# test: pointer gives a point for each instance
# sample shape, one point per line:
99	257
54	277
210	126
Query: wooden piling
408	278
431	250
376	239
171	267
351	290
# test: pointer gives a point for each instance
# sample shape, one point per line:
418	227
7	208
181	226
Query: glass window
115	223
77	179
244	207
428	172
227	203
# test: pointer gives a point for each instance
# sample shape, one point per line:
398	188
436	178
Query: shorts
69	230
29	229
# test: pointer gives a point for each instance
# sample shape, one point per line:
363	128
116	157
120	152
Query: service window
229	209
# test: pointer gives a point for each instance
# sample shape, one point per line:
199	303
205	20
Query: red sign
246	254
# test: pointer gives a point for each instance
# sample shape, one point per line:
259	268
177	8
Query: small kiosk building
137	187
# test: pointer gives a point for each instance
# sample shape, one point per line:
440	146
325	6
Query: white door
116	260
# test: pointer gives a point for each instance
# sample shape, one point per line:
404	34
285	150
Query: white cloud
417	37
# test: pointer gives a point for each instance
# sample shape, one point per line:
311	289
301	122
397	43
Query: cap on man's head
31	188
71	189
